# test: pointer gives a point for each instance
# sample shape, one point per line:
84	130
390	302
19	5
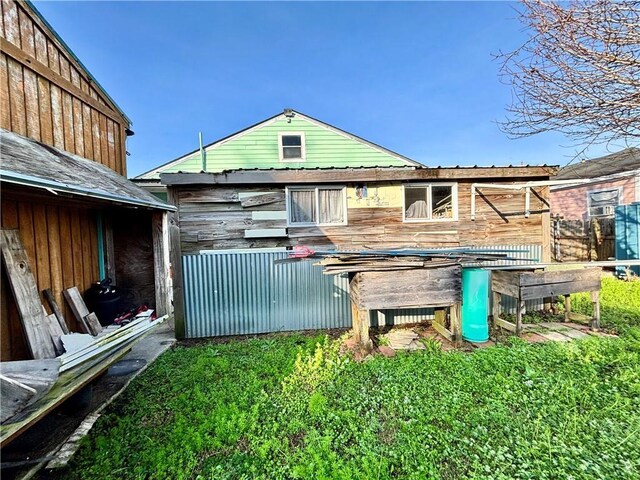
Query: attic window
291	147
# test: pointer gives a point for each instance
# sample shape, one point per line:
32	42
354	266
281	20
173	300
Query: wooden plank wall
61	244
583	240
46	95
215	218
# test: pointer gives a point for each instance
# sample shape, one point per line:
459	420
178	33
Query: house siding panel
571	203
259	149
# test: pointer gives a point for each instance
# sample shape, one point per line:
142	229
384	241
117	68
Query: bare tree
579	72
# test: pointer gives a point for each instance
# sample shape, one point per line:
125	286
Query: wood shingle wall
46	95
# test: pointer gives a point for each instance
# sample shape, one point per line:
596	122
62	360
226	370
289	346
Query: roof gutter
55	187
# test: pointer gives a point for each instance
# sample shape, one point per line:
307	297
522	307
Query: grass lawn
289	406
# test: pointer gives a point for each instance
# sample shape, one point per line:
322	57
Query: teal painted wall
259	149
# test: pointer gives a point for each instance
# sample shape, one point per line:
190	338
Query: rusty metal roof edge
387	167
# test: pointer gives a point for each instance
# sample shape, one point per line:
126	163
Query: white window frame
454	200
343	188
600	190
303	150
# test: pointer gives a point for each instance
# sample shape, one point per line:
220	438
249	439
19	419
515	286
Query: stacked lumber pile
63	361
338	262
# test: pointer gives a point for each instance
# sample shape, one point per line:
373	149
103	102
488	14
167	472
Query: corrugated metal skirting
240	293
246	293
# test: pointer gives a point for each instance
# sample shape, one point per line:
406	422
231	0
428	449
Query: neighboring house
606	182
294	180
583	212
62	173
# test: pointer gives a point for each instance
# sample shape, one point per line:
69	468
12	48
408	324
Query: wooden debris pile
63	361
338	262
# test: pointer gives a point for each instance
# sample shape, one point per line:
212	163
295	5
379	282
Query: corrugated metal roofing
35	164
394	167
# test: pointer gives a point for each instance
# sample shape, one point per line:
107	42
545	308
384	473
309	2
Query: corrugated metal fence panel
239	293
531	252
246	293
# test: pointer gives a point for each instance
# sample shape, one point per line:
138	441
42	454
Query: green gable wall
258	148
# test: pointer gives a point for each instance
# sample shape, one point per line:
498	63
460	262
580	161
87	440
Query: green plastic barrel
475	304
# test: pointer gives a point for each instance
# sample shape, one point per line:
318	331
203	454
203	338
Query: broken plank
78	307
26	295
93	324
55	332
555	336
255	200
48	294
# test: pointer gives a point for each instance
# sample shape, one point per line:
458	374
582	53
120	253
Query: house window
291	147
317	206
430	202
602	203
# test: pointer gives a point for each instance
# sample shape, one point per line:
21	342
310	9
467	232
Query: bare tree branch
579	72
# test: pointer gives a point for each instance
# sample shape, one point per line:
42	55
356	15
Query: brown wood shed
63	167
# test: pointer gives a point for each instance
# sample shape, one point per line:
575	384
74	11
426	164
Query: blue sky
417	78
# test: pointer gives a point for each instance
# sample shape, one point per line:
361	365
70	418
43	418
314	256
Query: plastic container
475	304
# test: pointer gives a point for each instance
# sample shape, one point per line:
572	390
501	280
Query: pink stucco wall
571	203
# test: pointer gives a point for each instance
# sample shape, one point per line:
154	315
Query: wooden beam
161	272
26	295
504	324
456	324
595	298
93	324
175	256
345	175
44	71
48	294
78	307
361	321
109	251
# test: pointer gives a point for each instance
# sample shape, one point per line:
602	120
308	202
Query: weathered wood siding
45	94
213	217
61	244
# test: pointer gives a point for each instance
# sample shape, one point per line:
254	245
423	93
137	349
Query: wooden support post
595	298
160	232
456	325
175	256
440	316
519	313
567	307
361	320
496	307
109	251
